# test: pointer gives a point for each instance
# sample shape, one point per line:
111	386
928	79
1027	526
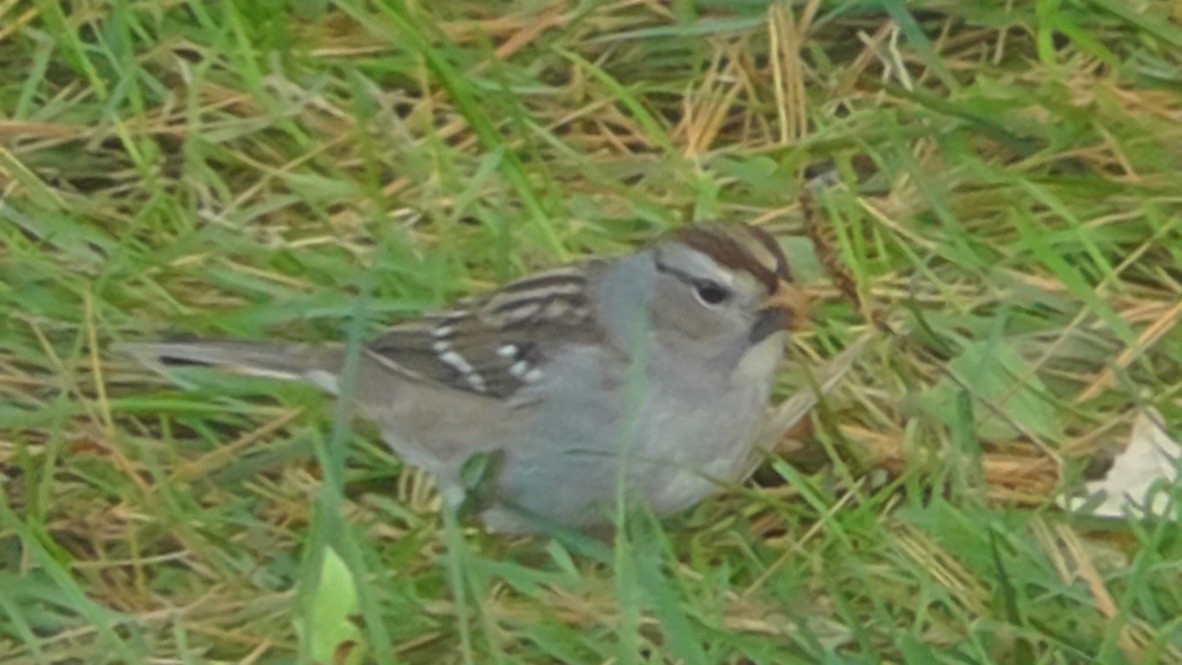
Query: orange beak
792	300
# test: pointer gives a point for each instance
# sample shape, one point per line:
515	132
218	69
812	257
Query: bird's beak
793	301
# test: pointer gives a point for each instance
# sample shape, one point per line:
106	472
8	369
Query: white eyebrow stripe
718	272
722	273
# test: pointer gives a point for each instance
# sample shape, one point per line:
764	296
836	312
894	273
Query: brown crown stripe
724	245
782	270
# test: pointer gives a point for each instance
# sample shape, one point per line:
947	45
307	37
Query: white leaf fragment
1150	457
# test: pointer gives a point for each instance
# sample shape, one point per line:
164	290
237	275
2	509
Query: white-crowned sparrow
652	369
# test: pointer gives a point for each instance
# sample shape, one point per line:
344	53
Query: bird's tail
319	365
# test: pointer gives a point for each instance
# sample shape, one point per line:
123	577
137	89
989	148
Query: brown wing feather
497	344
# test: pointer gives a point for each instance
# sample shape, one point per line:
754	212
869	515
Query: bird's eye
711	293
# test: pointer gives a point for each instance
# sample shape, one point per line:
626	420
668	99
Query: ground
997	198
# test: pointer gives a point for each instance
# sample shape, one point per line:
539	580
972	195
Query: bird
643	377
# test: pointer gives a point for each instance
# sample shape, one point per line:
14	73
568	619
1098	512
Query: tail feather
319	365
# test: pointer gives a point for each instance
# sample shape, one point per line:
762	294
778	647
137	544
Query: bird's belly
672	445
690	457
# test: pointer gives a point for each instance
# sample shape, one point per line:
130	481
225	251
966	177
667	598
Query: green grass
311	170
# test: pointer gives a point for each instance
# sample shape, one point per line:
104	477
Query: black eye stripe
697	283
681	275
